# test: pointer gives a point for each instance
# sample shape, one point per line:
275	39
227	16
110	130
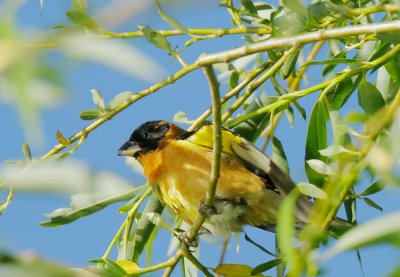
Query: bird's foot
207	210
182	236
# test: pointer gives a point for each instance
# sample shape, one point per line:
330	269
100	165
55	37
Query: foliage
352	46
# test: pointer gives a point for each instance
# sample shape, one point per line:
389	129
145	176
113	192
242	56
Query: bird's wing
255	161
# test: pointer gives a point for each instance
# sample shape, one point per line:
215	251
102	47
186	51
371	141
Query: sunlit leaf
80	5
249	6
91	114
266	266
170	20
128	266
288	67
61	139
234	270
180	117
145	227
333	150
369	97
312	191
83	19
372	204
97	98
317	139
26	150
320	167
159	221
119	99
156	38
374	188
375	231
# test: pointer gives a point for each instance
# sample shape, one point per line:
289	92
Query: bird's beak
129	149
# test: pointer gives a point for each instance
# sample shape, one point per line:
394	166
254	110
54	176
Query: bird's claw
207	210
185	240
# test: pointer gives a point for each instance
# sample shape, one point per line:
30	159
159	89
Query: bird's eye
145	135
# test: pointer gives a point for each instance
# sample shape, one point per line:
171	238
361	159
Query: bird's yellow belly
181	184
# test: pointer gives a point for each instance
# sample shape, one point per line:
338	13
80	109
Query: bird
177	165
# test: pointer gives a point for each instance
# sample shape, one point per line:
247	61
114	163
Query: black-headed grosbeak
177	164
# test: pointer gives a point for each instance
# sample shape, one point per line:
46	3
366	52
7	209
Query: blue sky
74	244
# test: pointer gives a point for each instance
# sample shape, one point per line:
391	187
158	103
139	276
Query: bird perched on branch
177	164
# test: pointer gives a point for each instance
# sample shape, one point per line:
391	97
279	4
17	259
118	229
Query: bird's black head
145	138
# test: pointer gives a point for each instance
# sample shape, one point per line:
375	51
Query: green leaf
233	79
145	227
26	150
334	61
259	246
234	270
119	99
369	97
333	150
97	98
252	128
159	221
180	117
294	5
289	65
170	20
84	205
266	266
393	68
80	6
392	38
285	230
61	139
279	156
83	20
91	114
249	6
317	139
374	188
320	167
382	229
156	38
115	268
372	204
312	191
338	96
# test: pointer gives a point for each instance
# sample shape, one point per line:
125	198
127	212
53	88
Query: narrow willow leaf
61	139
97	98
119	99
333	61
67	215
259	246
83	20
80	5
374	188
249	6
266	266
180	117
128	266
285	229
289	66
279	156
159	221
26	150
393	68
320	167
312	191
156	38
389	38
338	96
115	268
170	20
252	128
233	79
372	204
234	270
377	230
317	139
145	227
91	114
333	150
369	97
